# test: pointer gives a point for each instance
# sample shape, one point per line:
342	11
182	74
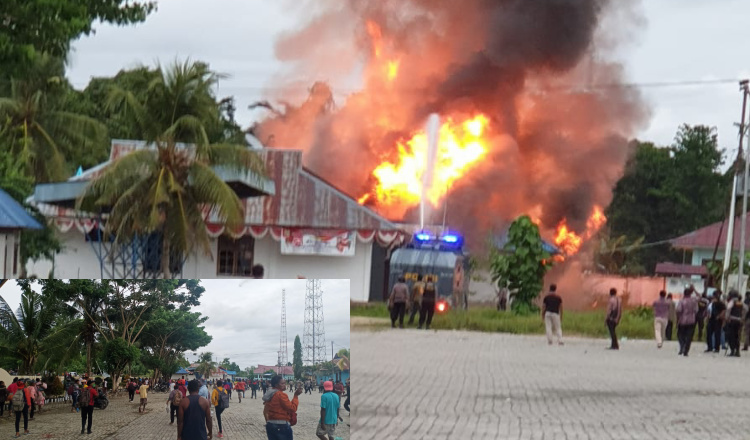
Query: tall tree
36	130
36	329
297	358
168	334
521	264
669	191
164	189
206	364
31	27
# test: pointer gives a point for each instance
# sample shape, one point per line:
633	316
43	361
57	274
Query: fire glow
516	134
569	242
400	184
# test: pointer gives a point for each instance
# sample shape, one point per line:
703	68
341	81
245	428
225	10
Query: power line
562	87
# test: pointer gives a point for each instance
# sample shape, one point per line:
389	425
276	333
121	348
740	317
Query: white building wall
78	260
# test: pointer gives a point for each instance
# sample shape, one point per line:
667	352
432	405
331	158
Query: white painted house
296	225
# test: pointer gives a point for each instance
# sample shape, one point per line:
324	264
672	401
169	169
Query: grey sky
244	316
682	40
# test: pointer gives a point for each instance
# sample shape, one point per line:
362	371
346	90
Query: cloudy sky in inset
680	40
244	316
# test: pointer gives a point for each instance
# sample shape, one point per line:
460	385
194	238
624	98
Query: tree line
48	130
113	326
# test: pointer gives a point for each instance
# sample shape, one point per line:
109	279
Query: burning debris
516	136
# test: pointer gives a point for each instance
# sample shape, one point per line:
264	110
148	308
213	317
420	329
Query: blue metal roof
13	215
182	371
229	372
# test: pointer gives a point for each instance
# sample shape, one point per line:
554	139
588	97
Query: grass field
635	323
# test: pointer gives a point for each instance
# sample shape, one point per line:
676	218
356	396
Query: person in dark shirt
194	415
735	313
747	323
715	322
428	303
700	318
552	314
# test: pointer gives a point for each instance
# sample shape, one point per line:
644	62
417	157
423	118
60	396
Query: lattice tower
314	339
283	350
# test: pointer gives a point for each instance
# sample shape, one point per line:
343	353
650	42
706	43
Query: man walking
747	323
552	315
194	415
174	399
86	402
661	316
614	313
415	302
278	410
672	317
715	321
346	403
397	302
21	402
254	389
329	413
686	312
700	319
143	391
220	401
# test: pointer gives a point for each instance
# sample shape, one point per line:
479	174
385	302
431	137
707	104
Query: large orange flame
399	184
569	242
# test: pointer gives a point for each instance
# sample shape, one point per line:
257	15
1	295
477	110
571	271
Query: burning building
534	118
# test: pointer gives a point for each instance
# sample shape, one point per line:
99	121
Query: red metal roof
705	237
287	370
680	269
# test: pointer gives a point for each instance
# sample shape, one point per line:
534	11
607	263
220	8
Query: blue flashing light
423	236
450	238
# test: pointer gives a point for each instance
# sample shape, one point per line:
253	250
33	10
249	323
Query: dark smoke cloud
554	152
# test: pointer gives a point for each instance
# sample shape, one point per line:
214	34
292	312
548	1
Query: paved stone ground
414	384
121	420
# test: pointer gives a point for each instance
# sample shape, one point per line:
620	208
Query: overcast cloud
681	40
244	316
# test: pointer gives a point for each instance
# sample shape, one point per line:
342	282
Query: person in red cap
329	412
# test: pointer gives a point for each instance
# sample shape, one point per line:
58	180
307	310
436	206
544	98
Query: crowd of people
725	319
189	402
194	415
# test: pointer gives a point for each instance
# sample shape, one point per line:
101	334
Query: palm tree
36	131
205	364
33	331
163	189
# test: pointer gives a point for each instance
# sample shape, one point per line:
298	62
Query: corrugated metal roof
705	237
301	199
679	269
13	215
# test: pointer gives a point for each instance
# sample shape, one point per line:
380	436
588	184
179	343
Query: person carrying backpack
21	401
86	403
175	397
220	400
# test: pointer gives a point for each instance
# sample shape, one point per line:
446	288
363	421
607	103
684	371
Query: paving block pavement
416	384
121	421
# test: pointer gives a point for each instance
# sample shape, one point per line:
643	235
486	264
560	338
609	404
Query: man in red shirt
87	406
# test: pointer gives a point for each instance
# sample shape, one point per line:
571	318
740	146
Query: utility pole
745	91
733	200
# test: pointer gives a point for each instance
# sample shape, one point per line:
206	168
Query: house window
235	255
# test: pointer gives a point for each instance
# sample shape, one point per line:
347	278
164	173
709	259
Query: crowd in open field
192	404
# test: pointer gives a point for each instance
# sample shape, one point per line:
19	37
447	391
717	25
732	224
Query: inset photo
188	359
